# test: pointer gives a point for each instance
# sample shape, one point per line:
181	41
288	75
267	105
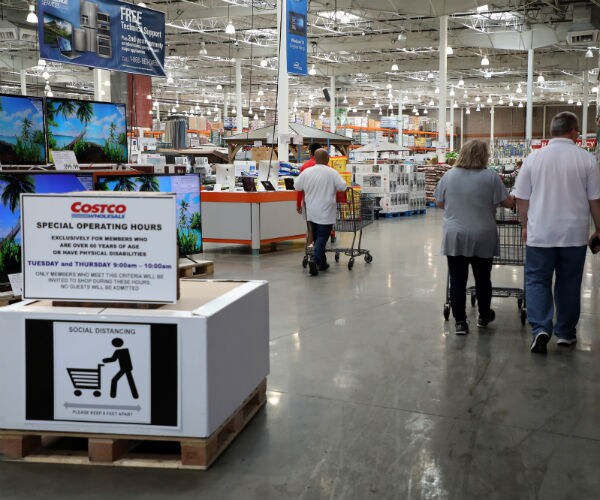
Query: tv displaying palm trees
11	187
22	139
95	131
187	189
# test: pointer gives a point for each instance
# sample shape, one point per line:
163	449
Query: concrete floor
372	397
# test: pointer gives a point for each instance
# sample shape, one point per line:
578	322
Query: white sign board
102	372
65	160
16	283
117	247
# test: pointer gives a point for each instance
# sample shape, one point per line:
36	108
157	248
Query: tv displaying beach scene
22	138
95	131
187	189
12	184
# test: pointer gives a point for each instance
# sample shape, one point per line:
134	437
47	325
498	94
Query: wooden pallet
196	269
8	298
131	451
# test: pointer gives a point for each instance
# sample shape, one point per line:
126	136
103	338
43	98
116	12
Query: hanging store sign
106	34
117	247
296	36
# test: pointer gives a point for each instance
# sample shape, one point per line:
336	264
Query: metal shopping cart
512	253
355	211
87	379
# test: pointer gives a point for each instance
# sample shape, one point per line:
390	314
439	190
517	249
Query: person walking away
469	194
320	185
557	188
313	146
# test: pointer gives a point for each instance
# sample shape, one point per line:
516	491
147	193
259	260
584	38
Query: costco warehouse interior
299	249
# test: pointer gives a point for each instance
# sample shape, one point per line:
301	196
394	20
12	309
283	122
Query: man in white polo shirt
320	184
556	189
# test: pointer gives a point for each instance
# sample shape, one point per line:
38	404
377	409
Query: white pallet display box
376	183
216	354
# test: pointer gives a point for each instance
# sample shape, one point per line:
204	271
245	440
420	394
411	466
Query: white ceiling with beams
379	50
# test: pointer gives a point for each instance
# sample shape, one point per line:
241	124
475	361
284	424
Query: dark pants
458	268
566	265
320	234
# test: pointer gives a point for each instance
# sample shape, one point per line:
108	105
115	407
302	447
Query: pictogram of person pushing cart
125	368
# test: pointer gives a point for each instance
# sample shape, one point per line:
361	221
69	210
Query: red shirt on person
307	164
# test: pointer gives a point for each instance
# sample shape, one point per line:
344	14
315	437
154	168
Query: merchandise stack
397	187
433	173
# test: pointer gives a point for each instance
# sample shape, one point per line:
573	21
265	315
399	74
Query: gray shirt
470	198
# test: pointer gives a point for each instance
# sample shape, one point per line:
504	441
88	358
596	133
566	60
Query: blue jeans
540	265
320	234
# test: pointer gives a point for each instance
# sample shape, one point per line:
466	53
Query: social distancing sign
102	372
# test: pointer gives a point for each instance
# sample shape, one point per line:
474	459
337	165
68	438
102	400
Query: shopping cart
87	379
355	211
512	253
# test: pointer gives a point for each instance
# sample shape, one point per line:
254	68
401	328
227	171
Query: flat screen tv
187	189
95	131
11	186
22	138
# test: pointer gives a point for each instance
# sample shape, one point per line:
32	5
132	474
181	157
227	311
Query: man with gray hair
557	188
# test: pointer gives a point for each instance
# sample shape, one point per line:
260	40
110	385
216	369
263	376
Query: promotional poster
296	36
106	34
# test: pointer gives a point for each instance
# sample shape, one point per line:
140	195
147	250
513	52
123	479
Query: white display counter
251	219
178	370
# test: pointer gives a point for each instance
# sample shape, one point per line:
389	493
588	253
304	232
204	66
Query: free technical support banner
106	34
296	36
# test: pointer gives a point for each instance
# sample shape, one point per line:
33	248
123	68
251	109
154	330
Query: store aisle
372	397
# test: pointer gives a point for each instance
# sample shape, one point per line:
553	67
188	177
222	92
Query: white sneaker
566	342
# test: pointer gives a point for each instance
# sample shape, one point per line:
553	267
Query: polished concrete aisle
372	396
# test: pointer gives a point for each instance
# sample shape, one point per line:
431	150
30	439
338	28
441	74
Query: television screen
22	139
187	189
11	186
55	28
95	131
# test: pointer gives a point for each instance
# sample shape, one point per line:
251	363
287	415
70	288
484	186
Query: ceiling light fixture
312	71
541	79
519	89
449	50
570	101
461	83
489	100
431	103
455	105
589	54
437	90
388	85
468	111
345	101
520	104
477	98
452	93
203	50
170	79
263	63
219	87
430	76
45	75
578	103
485	61
360	102
230	28
260	92
500	101
41	62
478	108
31	17
594	89
511	104
394	67
425	111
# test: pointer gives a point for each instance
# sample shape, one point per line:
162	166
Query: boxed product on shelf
374	183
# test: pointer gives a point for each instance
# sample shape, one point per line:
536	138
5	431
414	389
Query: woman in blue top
469	194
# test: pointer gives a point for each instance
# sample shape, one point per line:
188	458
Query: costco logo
82	210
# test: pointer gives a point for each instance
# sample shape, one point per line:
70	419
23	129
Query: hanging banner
296	36
106	34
